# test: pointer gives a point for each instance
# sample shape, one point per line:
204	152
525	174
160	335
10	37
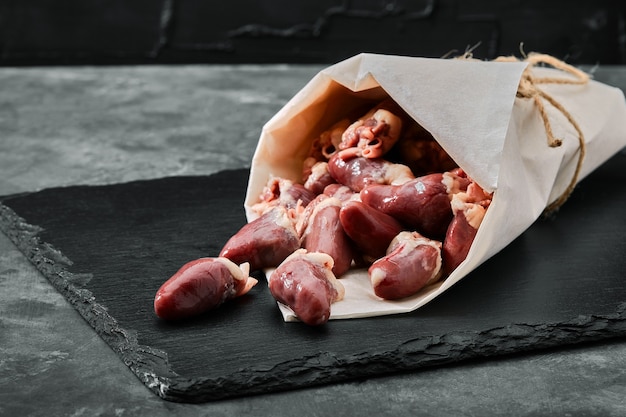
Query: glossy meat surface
411	263
264	242
199	286
305	283
421	204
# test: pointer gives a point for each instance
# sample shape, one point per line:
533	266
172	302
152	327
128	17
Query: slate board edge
152	368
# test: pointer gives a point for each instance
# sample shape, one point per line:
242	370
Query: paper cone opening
470	108
465	105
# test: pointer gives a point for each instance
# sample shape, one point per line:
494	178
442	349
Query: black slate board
107	249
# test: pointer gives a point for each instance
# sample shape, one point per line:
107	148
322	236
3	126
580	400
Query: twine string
529	89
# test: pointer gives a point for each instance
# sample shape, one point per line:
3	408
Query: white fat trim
238	272
458	202
448	181
398	174
282	218
324	203
394	122
377	275
474	214
326	262
437	271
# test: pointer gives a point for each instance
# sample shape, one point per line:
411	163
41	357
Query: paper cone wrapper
471	108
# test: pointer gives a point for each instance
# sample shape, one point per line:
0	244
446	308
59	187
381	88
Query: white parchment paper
470	107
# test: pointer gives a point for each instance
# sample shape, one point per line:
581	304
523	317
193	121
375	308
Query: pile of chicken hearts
376	193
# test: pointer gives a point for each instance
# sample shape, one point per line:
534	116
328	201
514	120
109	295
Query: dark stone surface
68	126
108	249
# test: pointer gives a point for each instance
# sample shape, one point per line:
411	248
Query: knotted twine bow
529	88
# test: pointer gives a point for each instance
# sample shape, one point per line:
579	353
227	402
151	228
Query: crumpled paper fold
472	109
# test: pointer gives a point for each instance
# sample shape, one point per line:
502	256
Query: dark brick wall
52	32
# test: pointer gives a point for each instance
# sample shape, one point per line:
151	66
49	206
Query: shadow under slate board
107	249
